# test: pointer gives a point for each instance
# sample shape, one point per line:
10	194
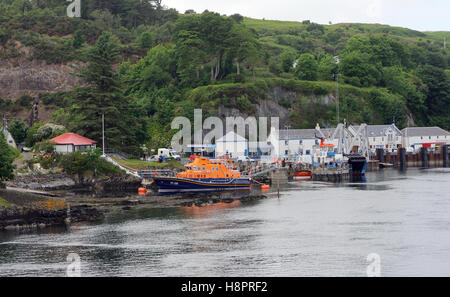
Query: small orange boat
303	174
204	174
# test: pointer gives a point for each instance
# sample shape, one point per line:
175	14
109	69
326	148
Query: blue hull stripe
186	184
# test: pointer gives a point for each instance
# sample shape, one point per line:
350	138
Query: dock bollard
445	156
402	158
424	156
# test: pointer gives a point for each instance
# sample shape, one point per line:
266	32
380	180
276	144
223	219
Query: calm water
314	229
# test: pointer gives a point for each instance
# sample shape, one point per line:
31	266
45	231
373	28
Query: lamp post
336	61
103	133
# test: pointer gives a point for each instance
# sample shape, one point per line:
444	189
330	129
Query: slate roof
424	131
231	137
378	130
304	133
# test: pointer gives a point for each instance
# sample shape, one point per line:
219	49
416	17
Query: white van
168	153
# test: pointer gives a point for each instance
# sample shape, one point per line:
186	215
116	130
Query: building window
429	137
374	139
308	152
421	137
317	141
286	142
286	152
300	141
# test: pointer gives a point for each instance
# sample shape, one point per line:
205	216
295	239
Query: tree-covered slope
166	63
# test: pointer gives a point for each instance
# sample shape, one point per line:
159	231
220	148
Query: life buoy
156	173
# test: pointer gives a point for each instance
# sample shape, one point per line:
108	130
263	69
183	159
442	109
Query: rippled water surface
314	229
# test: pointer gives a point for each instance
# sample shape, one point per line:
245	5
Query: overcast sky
422	15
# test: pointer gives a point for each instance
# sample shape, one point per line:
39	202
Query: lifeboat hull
303	174
175	184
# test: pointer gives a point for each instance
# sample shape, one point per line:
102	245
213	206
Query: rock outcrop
34	77
14	217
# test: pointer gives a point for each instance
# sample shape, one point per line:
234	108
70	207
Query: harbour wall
424	158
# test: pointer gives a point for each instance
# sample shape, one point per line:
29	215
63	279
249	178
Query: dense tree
237	17
6	160
213	40
287	61
437	98
146	40
359	71
18	130
244	45
104	97
77	39
327	68
306	68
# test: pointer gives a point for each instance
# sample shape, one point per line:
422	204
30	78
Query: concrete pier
425	158
330	174
280	176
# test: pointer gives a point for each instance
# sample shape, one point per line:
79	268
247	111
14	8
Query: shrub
25	101
89	162
243	103
48	131
18	130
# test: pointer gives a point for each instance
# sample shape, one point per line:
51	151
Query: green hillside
156	63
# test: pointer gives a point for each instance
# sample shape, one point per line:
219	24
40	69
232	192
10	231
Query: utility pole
337	96
336	60
103	133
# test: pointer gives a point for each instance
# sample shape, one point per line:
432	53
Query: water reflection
314	229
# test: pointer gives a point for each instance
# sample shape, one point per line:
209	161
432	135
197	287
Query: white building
387	137
71	142
232	144
292	143
430	137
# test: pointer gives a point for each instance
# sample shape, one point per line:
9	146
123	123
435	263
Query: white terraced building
231	144
430	137
292	143
387	137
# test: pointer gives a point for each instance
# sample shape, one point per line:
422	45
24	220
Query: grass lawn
3	202
142	165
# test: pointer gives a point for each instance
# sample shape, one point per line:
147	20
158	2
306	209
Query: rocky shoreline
22	218
47	201
62	181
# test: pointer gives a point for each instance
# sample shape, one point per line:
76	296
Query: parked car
245	159
153	158
409	150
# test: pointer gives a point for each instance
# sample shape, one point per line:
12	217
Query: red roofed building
71	142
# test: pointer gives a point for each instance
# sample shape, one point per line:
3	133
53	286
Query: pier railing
148	174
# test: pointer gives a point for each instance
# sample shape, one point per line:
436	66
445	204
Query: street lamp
336	61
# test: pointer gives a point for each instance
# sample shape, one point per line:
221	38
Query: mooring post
380	155
402	158
424	156
445	156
